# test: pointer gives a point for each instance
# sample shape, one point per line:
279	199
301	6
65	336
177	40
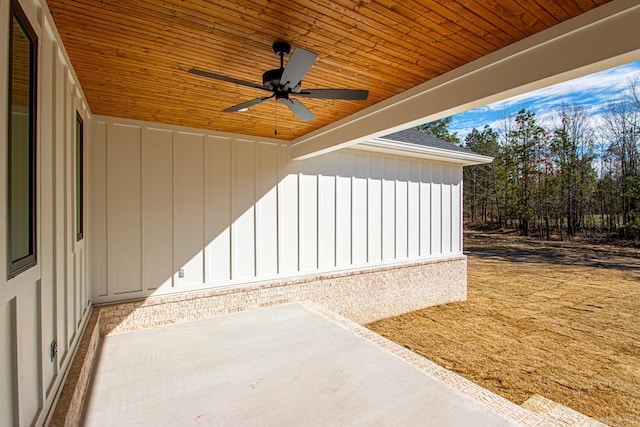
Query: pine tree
440	129
572	146
524	141
481	180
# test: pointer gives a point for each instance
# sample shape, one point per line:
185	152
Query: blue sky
591	92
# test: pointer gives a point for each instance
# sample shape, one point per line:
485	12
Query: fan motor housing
271	78
281	48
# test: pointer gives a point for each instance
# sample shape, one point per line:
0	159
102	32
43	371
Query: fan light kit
284	83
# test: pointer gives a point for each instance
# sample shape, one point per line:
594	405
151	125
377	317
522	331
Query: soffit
131	57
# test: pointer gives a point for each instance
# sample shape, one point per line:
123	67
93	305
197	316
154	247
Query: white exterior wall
228	210
50	301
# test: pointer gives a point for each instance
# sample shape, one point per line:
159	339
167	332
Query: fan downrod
271	78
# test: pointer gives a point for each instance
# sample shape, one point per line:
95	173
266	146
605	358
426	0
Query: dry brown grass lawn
559	320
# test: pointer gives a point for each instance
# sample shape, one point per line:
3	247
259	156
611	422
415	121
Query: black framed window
79	177
21	155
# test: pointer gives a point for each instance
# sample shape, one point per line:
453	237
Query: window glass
21	147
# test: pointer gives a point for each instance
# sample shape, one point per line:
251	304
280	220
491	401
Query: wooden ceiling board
132	56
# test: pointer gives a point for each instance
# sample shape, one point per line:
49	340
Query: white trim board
405	149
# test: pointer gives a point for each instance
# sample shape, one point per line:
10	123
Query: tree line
573	175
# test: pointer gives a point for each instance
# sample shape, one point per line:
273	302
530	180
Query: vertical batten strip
65	208
279	174
280	171
203	221
15	337
40	355
232	172
334	214
461	197
317	212
173	209
107	205
256	230
141	141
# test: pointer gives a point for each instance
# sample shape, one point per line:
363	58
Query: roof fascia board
414	150
599	39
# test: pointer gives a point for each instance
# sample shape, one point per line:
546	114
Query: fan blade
226	79
298	109
246	104
299	63
356	94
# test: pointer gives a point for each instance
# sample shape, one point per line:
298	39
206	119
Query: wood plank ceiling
132	56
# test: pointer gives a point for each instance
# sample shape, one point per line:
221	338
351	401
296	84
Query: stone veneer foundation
362	295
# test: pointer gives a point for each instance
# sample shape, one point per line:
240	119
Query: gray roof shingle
414	136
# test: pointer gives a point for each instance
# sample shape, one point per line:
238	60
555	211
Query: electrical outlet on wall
181	273
53	350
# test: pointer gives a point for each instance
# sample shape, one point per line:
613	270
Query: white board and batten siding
186	209
51	301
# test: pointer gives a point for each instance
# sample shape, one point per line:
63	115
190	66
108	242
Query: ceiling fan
285	82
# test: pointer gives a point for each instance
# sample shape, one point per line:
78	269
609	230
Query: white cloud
592	92
603	84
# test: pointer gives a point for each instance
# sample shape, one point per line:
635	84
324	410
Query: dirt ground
561	320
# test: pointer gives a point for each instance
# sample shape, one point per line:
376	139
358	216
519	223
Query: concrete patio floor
282	365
